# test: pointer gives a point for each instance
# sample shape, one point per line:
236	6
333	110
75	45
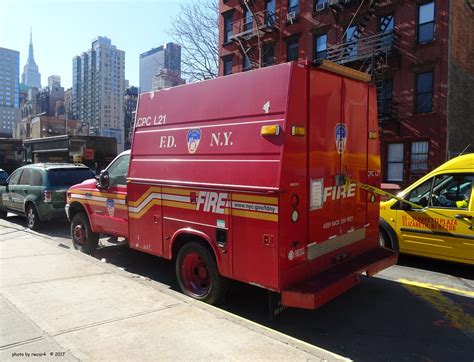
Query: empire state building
31	77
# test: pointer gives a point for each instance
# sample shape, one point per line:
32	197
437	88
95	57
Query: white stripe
176	198
150	197
209	126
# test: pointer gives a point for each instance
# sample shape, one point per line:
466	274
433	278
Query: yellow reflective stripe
143	211
144	196
178	191
255	215
99	203
259	199
101	194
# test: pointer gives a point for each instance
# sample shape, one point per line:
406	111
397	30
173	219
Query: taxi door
444	227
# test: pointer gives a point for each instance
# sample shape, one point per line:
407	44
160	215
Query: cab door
443	228
110	209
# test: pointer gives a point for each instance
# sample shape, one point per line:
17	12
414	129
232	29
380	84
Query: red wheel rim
79	235
196	278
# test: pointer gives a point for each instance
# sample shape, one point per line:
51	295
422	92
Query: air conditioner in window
321	7
291	16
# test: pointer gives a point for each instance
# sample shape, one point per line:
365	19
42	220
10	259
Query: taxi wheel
197	274
83	238
386	241
32	219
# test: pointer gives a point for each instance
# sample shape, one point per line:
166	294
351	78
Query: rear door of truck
338	129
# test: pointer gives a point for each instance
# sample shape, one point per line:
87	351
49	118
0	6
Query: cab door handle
463	216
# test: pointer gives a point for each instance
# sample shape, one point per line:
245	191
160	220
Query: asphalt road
418	310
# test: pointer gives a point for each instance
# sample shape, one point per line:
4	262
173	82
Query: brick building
419	53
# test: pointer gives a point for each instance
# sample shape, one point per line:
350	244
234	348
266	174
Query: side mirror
104	180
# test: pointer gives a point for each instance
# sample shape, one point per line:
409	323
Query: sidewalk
58	304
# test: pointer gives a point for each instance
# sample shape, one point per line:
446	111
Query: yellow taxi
438	221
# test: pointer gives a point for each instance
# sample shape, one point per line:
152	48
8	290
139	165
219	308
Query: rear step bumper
323	287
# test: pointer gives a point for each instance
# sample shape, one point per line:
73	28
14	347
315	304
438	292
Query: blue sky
65	28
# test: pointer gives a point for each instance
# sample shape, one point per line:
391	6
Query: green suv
38	191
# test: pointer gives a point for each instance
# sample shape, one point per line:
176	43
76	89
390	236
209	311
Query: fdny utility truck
245	177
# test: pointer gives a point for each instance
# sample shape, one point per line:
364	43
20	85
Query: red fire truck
244	177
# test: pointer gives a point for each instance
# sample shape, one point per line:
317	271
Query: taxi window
421	194
452	191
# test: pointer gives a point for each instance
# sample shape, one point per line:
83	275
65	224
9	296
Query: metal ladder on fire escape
244	38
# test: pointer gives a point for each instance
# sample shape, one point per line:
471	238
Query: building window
386	23
395	162
268	56
424	92
292	49
248	20
320	46
294	6
270	13
320	5
425	23
351	47
247	65
227	65
419	156
385	97
227	28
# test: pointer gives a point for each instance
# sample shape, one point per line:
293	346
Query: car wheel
32	219
198	276
83	238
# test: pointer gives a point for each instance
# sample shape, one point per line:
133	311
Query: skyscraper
165	57
31	76
98	88
9	91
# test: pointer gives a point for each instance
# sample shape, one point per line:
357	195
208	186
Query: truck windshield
69	177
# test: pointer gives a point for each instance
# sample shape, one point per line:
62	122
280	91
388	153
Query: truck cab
100	205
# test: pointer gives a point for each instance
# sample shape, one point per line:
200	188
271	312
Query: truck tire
32	218
198	276
83	238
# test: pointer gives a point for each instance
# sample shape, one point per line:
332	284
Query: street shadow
52	229
440	266
379	320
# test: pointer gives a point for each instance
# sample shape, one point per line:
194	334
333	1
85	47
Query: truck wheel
197	274
32	219
83	238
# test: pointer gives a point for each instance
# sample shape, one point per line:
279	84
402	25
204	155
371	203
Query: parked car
3	175
38	191
442	226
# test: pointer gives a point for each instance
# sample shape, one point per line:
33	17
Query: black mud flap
274	305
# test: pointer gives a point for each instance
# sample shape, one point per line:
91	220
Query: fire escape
369	54
248	32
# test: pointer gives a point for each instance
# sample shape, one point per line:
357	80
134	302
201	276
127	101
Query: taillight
47	196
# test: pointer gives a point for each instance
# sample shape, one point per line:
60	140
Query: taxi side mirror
104	180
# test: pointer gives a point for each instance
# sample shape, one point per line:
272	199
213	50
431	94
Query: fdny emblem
110	207
193	138
340	133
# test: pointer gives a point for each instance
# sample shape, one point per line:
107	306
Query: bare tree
196	29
